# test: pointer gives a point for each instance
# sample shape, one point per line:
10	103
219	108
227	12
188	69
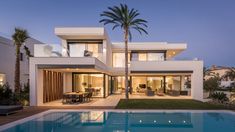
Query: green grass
166	104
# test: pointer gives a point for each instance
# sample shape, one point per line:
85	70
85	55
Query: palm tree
19	37
127	19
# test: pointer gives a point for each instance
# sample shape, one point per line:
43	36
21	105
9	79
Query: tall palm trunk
126	61
17	69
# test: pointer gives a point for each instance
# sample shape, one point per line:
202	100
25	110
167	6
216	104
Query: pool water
128	121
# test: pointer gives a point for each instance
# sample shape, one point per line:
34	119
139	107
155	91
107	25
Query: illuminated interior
170	85
89	82
2	79
78	49
119	59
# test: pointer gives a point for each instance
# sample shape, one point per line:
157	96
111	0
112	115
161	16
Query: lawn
166	104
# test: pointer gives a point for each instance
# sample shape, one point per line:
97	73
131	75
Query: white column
64	48
32	83
197	83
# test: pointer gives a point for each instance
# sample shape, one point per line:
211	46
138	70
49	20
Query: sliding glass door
141	83
89	83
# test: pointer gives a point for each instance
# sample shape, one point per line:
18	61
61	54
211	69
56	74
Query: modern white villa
89	61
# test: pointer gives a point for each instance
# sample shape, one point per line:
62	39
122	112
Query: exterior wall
195	66
108	50
7	59
68	82
36	81
64	48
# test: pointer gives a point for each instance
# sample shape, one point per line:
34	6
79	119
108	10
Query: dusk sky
207	26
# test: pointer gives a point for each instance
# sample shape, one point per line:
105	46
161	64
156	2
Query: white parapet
44	50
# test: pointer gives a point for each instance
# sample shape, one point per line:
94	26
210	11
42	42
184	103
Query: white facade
7	61
148	60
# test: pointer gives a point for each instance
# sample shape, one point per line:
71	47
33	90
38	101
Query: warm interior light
173	52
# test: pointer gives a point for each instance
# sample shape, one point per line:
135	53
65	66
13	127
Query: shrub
219	97
6	95
211	84
24	94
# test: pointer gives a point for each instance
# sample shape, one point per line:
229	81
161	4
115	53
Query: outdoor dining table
79	94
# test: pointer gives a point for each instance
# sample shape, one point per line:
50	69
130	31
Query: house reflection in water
120	121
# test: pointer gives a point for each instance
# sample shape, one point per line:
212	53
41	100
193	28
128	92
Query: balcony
53	50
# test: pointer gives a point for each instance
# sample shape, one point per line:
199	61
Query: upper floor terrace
94	43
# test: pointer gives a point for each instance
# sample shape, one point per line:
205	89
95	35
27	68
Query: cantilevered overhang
67	62
81	32
165	67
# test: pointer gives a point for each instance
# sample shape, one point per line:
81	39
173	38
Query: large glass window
142	56
155	83
140	84
118	84
147	57
76	50
85	49
89	83
119	59
155	56
173	83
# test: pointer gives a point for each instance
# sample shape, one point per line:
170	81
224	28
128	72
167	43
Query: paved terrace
96	103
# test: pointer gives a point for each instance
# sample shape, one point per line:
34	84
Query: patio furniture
149	91
88	53
74	97
173	92
85	96
160	92
64	99
183	92
9	109
89	96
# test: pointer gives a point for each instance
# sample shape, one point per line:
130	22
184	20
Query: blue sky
208	26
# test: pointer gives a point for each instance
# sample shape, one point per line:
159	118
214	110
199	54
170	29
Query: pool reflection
100	121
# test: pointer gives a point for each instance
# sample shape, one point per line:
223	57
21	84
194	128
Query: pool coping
23	120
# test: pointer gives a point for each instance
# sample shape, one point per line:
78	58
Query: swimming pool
125	121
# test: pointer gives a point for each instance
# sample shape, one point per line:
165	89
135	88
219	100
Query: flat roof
81	32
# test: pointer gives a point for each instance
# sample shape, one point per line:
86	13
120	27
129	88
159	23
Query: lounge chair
88	96
149	92
9	109
160	92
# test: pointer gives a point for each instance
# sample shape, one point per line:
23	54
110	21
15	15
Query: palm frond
20	36
127	19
